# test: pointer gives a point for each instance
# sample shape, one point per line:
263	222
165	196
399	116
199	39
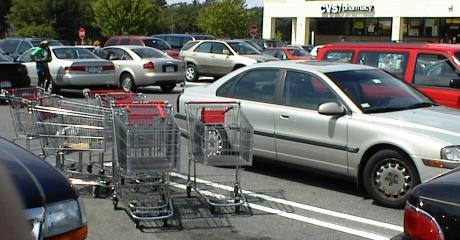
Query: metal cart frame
218	135
146	149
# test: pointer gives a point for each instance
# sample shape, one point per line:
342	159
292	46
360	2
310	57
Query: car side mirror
454	83
331	109
225	52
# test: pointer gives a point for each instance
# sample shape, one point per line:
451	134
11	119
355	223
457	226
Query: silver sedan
351	120
144	66
73	67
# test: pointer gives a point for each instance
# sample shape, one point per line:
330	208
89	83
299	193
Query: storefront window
414	27
385	27
358	26
371	27
431	27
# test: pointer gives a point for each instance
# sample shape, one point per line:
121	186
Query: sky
249	3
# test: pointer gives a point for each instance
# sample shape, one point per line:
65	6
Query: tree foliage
224	18
48	18
124	17
179	18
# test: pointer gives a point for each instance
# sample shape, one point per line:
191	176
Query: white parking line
303	206
300	218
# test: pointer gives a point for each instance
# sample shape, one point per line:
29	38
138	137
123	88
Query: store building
319	22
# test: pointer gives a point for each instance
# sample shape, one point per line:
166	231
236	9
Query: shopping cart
23	120
147	149
219	135
67	127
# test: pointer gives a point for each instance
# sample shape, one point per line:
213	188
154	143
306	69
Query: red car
288	53
157	43
433	68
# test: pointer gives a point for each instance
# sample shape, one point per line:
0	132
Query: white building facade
318	22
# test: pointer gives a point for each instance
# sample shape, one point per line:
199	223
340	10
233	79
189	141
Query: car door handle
284	116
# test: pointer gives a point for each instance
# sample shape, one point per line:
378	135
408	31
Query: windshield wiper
421	105
383	109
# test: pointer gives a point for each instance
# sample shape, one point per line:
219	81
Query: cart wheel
122	181
96	192
115	203
237	209
189	191
138	223
212	209
89	168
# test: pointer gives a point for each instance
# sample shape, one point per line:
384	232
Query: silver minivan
216	58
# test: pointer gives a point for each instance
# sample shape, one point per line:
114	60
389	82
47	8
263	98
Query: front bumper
428	171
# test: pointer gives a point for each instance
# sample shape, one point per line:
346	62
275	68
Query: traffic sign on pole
81	34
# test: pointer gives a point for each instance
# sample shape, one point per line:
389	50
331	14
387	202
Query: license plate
93	69
5	84
169	69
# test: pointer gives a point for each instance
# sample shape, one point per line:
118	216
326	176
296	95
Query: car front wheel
191	73
388	178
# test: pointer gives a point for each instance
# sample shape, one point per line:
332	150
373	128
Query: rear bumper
87	80
159	78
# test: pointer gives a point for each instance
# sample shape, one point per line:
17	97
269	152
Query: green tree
124	17
256	17
224	18
179	18
48	18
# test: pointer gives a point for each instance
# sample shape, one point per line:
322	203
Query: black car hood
37	181
443	188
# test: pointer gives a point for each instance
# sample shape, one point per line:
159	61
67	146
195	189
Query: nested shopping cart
147	149
23	120
218	135
67	127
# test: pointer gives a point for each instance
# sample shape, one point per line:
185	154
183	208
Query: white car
352	120
145	66
72	67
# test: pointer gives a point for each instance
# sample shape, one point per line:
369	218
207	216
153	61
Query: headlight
451	153
62	217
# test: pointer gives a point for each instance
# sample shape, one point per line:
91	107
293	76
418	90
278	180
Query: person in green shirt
42	55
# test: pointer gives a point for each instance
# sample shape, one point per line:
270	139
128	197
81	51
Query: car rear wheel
167	87
388	178
127	82
191	73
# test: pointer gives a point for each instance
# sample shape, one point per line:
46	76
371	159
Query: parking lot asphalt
284	202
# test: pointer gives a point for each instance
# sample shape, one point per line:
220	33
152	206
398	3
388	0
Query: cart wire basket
147	149
218	135
23	120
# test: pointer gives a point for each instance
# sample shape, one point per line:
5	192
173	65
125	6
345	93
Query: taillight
149	65
419	225
75	68
108	67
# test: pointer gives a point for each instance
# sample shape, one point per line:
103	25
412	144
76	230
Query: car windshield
148	53
73	53
157	43
299	52
8	45
243	48
375	91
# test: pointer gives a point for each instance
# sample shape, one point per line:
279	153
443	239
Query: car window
243	48
274	43
334	56
270	52
157	43
9	46
119	54
218	48
35	43
137	42
299	53
111	42
24	46
258	85
434	70
204	47
189	45
124	41
74	53
55	43
4	58
149	53
306	91
375	91
26	56
203	37
392	62
281	55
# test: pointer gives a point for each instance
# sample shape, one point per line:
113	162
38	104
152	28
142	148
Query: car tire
388	177
127	82
168	87
191	73
53	88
